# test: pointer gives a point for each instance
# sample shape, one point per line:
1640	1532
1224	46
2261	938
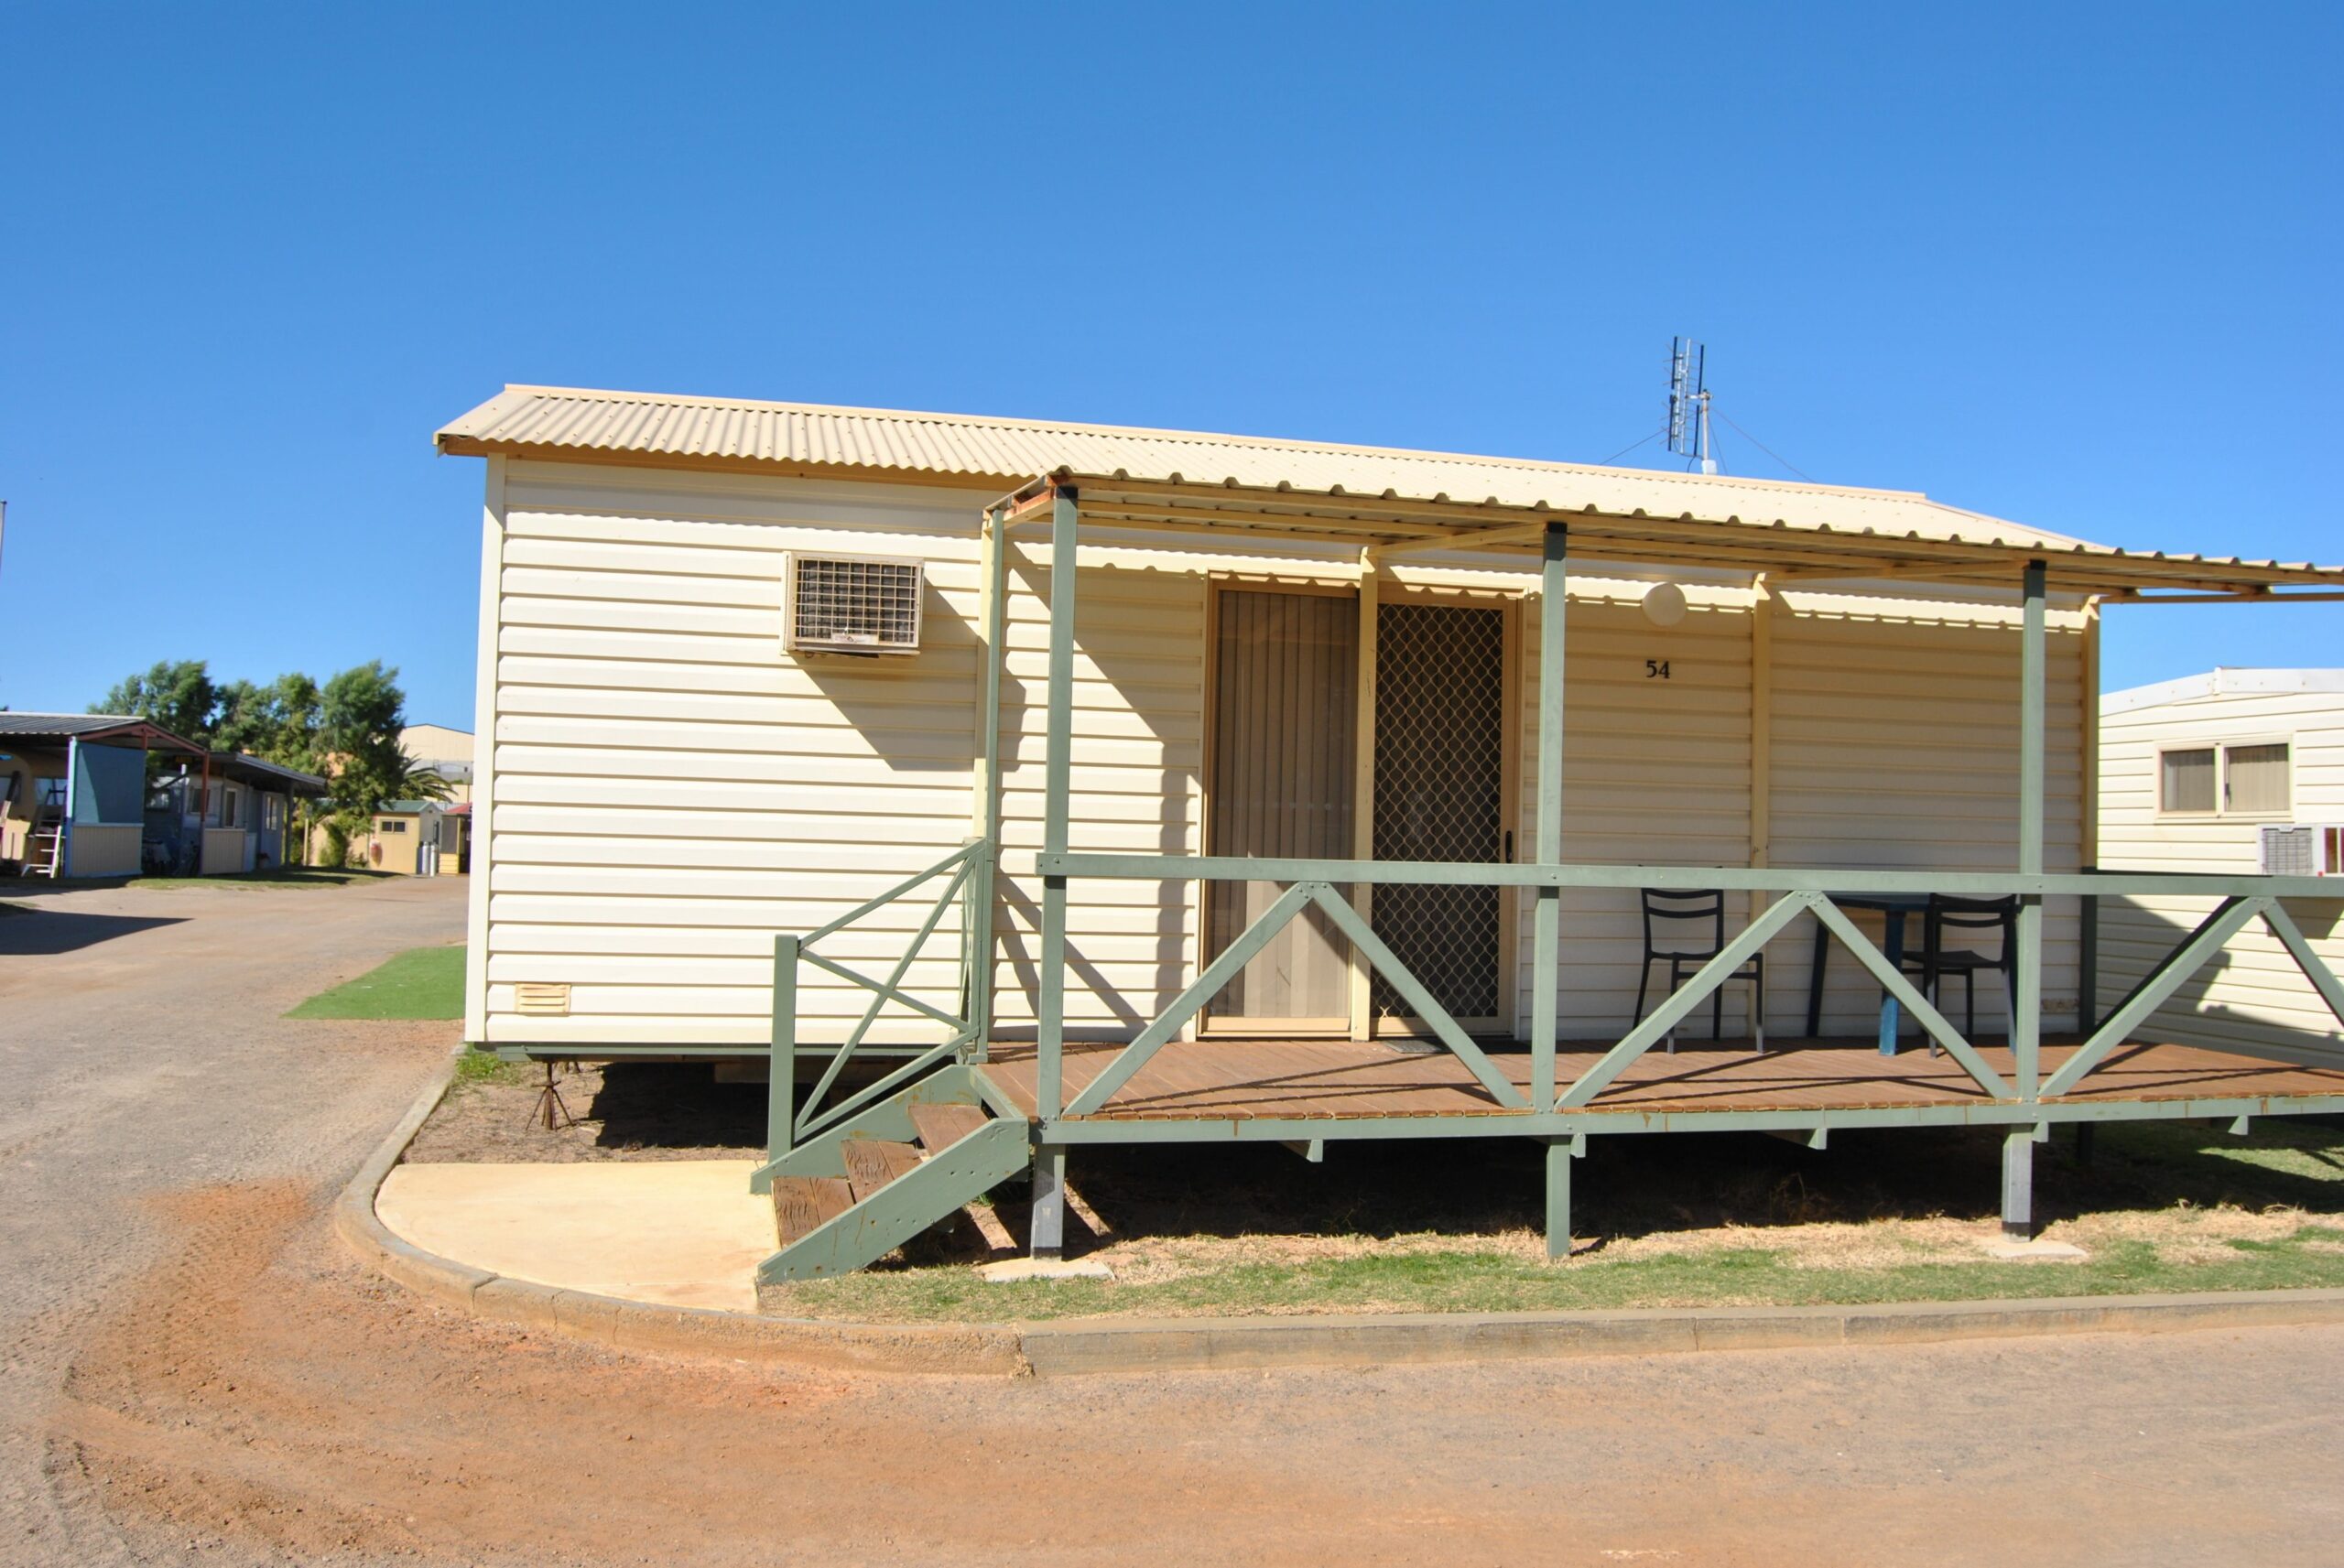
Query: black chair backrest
1948	912
1692	903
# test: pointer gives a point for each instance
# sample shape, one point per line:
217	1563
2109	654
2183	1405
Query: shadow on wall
1174	730
916	716
2264	1007
45	933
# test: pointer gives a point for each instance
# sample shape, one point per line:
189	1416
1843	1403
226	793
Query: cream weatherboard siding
1894	745
668	788
2252	996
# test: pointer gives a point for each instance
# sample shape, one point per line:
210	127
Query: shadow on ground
1627	1185
45	933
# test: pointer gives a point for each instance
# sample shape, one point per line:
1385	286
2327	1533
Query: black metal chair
1937	960
1691	947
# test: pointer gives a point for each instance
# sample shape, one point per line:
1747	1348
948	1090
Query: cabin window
2255	781
394	826
2246	779
228	808
2186	781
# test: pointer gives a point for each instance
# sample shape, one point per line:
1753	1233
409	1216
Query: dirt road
196	1374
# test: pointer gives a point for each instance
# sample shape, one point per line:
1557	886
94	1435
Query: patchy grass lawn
1714	1220
422	982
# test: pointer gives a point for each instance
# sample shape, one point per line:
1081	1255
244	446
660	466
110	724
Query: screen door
1440	772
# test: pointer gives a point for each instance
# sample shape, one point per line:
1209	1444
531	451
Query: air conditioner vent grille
858	604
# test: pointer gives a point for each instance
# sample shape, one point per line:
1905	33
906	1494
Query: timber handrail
1762	879
969	873
1803	889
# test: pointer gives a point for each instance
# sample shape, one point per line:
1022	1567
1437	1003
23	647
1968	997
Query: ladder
45	844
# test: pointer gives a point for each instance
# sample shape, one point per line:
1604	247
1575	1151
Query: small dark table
1896	907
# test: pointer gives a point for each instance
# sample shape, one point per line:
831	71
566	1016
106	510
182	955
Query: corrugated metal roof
84	726
1193	481
985	451
249	769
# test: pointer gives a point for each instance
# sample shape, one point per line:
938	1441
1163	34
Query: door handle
1509	845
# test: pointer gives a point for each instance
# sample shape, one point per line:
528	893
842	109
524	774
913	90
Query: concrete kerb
1128	1345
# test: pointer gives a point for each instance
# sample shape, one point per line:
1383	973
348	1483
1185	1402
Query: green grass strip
422	982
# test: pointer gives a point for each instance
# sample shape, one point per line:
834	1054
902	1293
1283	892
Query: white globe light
1664	604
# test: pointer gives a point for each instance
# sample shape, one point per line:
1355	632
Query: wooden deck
1244	1080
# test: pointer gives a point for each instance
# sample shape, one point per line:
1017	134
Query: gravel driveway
196	1373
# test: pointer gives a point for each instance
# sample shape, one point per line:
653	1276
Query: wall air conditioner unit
2301	849
850	604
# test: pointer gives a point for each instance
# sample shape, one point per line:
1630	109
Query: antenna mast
1688	403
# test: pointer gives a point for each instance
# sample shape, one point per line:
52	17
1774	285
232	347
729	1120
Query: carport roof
90	727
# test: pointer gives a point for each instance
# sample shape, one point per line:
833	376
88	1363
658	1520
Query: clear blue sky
2071	265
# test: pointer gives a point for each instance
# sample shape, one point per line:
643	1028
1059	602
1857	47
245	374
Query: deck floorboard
1314	1079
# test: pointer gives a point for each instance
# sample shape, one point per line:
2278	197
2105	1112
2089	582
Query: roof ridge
1207	437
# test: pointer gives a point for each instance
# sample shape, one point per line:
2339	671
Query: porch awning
1789	545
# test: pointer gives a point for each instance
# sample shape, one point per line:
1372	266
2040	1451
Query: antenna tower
1688	403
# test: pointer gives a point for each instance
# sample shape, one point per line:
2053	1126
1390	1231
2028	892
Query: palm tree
420	781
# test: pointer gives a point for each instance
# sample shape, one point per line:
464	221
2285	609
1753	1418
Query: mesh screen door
1439	795
1286	679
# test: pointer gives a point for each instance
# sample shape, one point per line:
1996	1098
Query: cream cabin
1117	784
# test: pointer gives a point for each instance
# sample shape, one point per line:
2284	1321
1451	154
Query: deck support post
2018	1183
1546	920
2026	1006
1046	1229
1050	1005
781	1065
1560	1151
1362	895
978	939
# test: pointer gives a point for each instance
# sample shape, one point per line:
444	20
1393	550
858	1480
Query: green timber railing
1314	883
968	874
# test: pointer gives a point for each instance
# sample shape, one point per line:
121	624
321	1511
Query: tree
362	711
177	695
278	722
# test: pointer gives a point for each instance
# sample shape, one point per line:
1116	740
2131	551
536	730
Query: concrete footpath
630	1272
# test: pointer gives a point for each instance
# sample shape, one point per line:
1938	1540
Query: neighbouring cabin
1135	784
73	793
232	814
2232	771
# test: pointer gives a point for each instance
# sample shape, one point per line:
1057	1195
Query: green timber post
2026	1010
781	1066
1050	1005
1558	1197
1546	919
978	937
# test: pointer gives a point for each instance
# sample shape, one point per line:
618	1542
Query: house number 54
1655	669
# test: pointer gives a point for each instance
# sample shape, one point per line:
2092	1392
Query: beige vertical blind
2255	778
1285	668
2185	780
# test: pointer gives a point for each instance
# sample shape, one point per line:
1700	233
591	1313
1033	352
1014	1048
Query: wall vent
851	604
540	999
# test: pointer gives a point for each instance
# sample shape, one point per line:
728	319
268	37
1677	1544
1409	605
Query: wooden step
871	1165
943	1126
802	1203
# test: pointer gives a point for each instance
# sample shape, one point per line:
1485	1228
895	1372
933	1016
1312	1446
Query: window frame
2222	810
